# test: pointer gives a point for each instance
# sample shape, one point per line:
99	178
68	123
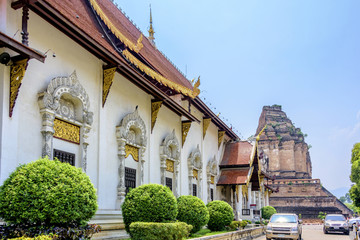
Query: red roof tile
86	21
237	153
233	176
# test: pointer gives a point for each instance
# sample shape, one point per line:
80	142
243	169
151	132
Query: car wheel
300	237
346	233
325	232
268	238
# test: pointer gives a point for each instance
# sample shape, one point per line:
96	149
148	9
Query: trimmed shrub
235	225
243	224
192	210
221	215
159	231
46	192
43	237
149	203
267	212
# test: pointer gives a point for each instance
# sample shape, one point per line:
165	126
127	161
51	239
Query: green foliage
42	237
235	225
149	203
221	215
322	215
159	231
355	153
193	211
355	175
46	192
342	199
267	212
244	223
355	209
355	195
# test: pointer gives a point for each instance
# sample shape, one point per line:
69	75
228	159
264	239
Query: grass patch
205	232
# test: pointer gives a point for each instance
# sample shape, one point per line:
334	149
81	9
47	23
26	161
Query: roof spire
151	30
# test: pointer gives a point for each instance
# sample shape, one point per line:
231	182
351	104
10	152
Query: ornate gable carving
130	124
170	146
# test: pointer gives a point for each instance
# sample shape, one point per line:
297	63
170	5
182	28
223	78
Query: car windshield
335	218
283	219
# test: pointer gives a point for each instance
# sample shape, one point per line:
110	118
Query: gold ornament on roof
66	131
169	165
17	72
115	31
133	151
158	77
108	77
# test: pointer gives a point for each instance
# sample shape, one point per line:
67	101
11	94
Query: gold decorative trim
244	191
195	174
108	77
169	165
220	137
185	127
134	151
116	31
17	72
155	107
206	123
212	179
166	82
66	131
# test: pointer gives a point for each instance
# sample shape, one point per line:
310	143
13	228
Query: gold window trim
66	131
169	165
195	174
133	151
212	180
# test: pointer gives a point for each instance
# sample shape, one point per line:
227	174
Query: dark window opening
130	179
194	190
169	183
64	157
212	194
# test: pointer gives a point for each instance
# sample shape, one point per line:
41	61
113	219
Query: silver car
284	226
336	223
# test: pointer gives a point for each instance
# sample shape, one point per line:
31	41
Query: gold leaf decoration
195	174
108	77
155	107
220	137
115	30
206	123
17	72
134	151
212	180
169	165
185	130
66	131
158	77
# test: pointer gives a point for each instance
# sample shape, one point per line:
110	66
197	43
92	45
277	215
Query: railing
246	212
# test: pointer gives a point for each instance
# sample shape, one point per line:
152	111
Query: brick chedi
288	161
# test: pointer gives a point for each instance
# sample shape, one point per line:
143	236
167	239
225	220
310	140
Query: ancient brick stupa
288	161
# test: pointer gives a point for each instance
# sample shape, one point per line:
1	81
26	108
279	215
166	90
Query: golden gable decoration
17	72
108	77
169	165
158	77
212	180
206	123
195	174
66	131
220	137
134	151
185	128
134	47
155	107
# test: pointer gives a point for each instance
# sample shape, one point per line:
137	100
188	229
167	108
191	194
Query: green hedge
159	231
43	237
192	210
149	203
267	212
46	192
221	215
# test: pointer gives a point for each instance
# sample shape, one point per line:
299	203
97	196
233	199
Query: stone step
111	234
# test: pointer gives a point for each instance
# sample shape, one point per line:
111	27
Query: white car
284	226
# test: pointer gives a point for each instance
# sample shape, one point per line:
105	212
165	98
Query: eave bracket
185	130
108	78
17	72
155	107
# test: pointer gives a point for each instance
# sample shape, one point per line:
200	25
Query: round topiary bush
267	212
221	215
192	210
149	203
46	192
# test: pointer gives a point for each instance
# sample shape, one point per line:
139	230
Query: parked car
284	226
336	223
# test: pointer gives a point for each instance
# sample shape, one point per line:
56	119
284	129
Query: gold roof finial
151	30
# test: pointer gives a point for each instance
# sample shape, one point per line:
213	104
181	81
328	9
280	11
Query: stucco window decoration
212	171
195	163
65	100
130	135
170	159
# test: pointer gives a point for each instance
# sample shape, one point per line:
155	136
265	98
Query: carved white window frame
170	150
131	121
195	163
212	170
49	103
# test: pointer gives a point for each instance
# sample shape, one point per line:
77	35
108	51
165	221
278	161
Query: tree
355	175
342	199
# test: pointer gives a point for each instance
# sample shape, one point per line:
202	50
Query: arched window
66	120
195	172
211	172
131	139
169	162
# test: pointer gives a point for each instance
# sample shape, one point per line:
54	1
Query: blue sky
301	54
